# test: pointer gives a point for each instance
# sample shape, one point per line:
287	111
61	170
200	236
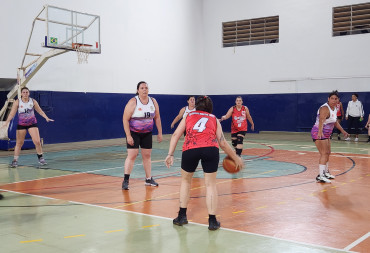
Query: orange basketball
229	165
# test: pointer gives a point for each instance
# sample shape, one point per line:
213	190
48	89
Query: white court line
358	241
165	218
72	174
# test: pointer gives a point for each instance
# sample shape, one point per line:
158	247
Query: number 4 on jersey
200	125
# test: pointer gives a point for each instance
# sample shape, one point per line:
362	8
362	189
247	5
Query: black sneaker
151	182
213	224
179	221
125	185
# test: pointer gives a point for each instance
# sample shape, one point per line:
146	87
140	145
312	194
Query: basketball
229	165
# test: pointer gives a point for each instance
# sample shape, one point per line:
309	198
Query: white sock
327	167
322	169
16	157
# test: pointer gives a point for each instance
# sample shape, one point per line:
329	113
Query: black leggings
353	122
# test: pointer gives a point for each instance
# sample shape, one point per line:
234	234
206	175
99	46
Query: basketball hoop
83	52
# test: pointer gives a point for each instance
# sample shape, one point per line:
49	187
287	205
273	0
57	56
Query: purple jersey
328	125
142	119
26	113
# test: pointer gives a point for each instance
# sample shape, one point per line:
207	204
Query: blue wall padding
83	116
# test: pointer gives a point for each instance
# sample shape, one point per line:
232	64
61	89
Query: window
351	19
250	32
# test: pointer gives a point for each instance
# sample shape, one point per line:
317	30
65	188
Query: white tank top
187	110
332	118
142	119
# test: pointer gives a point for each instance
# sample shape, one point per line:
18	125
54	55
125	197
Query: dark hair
137	87
204	103
24	88
333	93
239	97
190	97
355	94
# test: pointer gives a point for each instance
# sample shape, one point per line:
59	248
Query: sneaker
213	224
125	185
179	221
347	139
322	179
14	164
368	140
151	182
328	175
42	161
356	139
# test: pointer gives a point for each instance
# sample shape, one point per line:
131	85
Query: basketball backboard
65	28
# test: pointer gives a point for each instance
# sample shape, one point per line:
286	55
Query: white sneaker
322	179
347	139
356	139
328	175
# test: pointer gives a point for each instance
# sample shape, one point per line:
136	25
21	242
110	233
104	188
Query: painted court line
358	241
165	218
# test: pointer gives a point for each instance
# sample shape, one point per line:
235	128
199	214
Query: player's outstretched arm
40	111
174	139
228	114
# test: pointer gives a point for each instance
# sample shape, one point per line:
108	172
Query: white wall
306	50
156	41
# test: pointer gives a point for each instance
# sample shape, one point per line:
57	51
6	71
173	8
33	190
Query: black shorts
144	140
209	157
235	135
20	127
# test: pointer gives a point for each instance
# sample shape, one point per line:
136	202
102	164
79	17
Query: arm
340	128
178	117
227	115
157	119
324	114
226	147
12	113
127	113
348	107
40	111
174	139
249	117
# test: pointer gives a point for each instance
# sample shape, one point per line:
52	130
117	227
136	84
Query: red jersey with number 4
239	120
200	130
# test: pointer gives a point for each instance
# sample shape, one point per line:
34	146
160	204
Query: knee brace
234	142
240	140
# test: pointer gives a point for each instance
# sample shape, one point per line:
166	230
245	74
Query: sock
39	156
182	212
148	178
17	156
239	151
212	217
127	177
322	169
327	167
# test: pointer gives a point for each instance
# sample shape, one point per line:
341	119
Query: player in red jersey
239	124
203	135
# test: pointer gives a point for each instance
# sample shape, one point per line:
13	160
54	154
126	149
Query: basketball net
83	52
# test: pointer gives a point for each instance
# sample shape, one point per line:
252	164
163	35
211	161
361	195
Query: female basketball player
138	125
203	135
26	122
185	110
239	124
325	121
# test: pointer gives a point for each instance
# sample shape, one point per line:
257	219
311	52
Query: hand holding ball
230	166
